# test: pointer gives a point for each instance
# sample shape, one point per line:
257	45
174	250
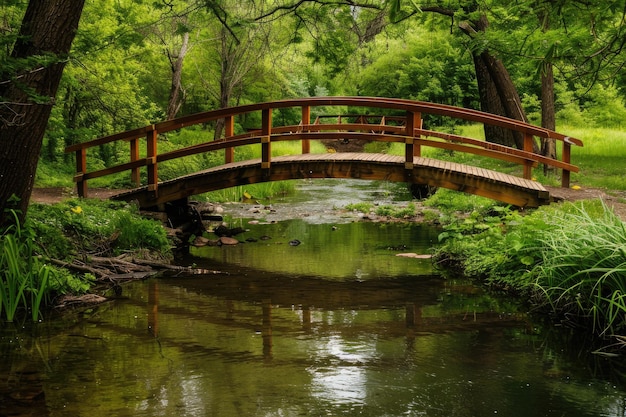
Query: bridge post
266	134
151	160
567	153
229	130
528	147
413	121
81	169
135	175
306	120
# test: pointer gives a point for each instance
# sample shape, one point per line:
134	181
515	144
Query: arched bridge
356	124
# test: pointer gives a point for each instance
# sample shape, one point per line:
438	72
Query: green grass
602	159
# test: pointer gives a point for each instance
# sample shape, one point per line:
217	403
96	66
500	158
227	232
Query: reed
582	272
24	281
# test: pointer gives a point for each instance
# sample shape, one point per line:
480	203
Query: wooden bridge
357	125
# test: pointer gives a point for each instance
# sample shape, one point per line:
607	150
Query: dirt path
614	199
53	195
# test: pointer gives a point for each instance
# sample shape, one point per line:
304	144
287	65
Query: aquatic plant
24	279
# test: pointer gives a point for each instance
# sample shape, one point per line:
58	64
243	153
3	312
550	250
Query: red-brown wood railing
405	129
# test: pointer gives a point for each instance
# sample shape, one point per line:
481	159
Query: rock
414	255
294	242
200	241
225	240
223	230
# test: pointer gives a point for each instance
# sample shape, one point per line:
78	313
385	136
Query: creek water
335	325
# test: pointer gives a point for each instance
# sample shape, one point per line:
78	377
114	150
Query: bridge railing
407	129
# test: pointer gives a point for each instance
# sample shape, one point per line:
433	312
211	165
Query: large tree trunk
490	102
48	29
498	94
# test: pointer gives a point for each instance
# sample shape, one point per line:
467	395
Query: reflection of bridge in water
407	129
285	305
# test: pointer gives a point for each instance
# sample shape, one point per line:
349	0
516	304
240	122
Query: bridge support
151	161
306	120
266	143
229	131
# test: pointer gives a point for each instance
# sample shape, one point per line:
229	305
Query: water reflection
257	342
247	346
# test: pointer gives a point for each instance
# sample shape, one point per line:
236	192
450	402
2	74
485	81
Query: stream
343	323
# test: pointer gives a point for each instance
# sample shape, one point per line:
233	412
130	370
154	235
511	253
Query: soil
614	199
54	195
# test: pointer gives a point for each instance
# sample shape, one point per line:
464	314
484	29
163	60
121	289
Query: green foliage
568	258
422	65
94	227
262	192
491	246
136	233
361	207
449	201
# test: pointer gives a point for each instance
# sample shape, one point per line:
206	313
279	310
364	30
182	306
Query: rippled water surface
337	325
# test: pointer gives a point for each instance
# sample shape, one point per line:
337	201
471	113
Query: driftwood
80	300
181	269
81	268
117	269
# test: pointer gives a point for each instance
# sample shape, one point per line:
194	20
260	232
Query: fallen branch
82	268
185	269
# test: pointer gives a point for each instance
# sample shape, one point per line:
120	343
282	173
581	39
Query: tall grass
24	280
582	272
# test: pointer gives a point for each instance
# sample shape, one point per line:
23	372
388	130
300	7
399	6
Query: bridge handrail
394	104
410	134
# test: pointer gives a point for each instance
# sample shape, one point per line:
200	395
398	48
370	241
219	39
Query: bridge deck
367	166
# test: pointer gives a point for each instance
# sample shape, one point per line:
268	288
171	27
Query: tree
232	56
27	93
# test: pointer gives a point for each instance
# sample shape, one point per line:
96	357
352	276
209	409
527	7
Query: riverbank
614	199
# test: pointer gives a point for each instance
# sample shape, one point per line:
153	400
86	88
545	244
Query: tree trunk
548	119
48	29
175	101
498	94
490	103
